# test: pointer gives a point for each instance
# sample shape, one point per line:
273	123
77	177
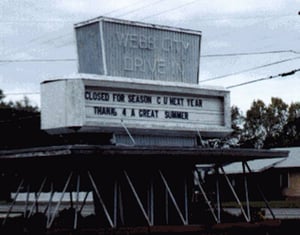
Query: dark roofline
194	155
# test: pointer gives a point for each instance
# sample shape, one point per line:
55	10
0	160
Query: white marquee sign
108	104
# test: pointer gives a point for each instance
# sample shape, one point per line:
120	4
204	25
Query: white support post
186	204
121	208
150	201
115	202
48	207
37	196
206	199
60	200
172	198
137	199
27	201
262	194
246	192
13	202
84	201
167	206
101	200
235	195
218	194
77	202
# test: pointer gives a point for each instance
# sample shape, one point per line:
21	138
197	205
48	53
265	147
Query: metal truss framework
157	199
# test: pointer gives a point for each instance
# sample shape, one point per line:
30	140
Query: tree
237	122
291	131
255	132
18	121
275	121
2	103
275	125
23	104
1	95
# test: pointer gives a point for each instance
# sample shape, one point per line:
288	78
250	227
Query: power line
251	69
211	55
35	21
249	17
140	8
65	35
251	53
8	53
22	93
37	60
171	9
121	8
61	20
208	55
266	78
42	21
129	12
180	6
232	86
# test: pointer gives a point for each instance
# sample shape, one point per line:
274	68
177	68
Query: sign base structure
135	111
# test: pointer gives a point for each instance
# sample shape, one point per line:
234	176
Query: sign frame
66	110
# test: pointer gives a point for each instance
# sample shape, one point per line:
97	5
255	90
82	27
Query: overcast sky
263	35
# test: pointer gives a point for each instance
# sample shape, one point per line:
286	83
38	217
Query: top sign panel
128	49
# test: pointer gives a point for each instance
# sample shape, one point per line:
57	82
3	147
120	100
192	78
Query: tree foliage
23	104
269	126
237	121
254	131
292	128
19	121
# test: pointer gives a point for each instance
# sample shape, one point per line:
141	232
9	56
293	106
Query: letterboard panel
109	104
